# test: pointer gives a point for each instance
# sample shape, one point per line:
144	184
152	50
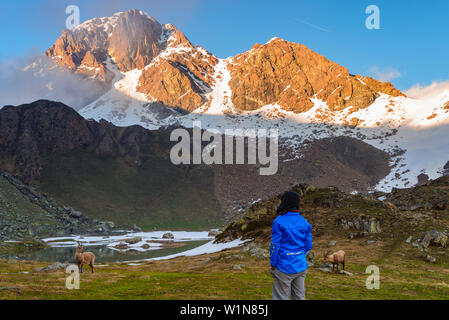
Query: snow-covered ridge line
389	124
106	23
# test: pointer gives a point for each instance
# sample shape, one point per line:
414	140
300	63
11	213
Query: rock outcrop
132	38
432	195
290	74
171	85
173	70
434	238
335	213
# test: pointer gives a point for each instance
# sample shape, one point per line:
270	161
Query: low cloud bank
22	81
419	91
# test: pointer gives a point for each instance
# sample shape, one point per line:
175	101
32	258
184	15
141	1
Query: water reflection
102	252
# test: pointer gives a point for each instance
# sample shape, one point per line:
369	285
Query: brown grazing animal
82	257
335	258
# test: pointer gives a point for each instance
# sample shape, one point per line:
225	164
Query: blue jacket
291	239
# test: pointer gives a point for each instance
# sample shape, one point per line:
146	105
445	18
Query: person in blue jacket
291	239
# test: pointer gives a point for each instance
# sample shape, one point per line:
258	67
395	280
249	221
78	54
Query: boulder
137	228
168	235
362	223
256	252
74	213
207	260
132	240
122	246
431	259
213	233
434	238
55	266
108	224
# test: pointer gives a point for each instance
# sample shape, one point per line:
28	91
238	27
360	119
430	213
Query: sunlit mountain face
149	74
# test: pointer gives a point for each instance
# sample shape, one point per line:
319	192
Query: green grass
157	195
409	283
401	277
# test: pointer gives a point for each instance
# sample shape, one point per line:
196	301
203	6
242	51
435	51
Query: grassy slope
14	206
402	277
152	196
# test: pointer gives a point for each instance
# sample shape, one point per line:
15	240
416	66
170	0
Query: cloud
385	74
419	91
43	80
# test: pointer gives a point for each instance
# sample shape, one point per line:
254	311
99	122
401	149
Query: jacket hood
289	201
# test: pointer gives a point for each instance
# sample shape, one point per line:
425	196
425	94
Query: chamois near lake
82	257
335	258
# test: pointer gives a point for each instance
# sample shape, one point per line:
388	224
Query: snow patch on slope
123	105
106	24
413	132
207	248
219	99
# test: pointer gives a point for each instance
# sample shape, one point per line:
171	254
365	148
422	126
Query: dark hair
289	201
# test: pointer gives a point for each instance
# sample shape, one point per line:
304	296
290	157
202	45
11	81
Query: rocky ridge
178	74
375	216
172	70
290	75
49	145
29	214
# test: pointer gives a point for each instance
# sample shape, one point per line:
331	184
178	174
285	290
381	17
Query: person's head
289	201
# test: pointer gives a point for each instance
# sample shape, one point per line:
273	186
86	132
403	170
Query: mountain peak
291	75
105	21
180	75
131	39
274	39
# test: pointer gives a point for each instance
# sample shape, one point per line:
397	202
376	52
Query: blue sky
411	47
